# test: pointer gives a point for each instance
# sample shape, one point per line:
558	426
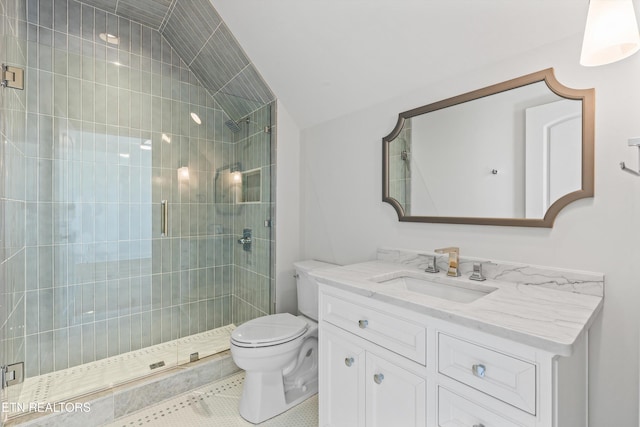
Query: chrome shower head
233	125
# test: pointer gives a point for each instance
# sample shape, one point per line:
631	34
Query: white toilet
279	353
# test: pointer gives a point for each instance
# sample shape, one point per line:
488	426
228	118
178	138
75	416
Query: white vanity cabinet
382	364
362	388
364	383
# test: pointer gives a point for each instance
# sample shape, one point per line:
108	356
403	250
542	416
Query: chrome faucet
454	253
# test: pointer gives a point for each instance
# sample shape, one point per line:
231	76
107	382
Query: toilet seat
269	330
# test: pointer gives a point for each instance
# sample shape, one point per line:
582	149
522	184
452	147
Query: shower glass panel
12	198
234	286
120	225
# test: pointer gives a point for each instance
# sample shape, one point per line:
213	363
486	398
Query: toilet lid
269	330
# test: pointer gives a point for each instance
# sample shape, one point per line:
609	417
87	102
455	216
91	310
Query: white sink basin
458	292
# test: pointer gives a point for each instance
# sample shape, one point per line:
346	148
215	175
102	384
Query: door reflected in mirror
510	154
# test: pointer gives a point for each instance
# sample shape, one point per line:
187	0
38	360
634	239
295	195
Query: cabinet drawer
456	411
398	335
504	377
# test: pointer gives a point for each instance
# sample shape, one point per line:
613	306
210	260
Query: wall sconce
611	32
236	173
183	173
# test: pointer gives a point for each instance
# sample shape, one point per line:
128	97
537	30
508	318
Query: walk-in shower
118	252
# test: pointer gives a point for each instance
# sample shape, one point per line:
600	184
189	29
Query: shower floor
99	375
216	404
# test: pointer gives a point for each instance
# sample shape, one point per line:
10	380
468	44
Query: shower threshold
68	384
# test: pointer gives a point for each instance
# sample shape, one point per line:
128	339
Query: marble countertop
548	319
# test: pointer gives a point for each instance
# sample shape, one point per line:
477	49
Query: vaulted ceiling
327	58
149	12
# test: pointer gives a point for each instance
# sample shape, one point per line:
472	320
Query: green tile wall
108	129
252	269
91	148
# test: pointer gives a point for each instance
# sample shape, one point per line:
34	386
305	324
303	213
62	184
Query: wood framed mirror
512	154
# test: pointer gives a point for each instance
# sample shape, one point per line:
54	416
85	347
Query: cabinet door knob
479	370
348	361
363	323
377	378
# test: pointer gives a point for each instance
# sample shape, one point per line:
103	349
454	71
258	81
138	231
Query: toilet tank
308	287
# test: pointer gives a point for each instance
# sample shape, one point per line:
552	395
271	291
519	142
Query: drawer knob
377	378
363	323
479	370
348	361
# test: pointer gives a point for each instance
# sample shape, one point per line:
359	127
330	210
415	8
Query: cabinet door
342	368
394	396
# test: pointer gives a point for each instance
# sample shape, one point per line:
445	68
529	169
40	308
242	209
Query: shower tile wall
100	280
252	284
12	189
196	30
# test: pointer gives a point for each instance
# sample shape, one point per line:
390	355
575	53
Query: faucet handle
432	267
477	272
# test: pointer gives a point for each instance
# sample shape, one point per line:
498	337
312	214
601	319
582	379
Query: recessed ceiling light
196	118
109	38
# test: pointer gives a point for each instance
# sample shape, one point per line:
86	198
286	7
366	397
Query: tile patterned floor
68	383
216	405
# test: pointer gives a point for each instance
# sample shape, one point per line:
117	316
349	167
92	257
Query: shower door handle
164	218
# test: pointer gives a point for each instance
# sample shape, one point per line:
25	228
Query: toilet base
264	397
277	377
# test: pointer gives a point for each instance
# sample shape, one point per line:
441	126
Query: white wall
344	220
287	224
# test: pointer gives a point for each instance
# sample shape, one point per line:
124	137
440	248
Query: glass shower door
12	200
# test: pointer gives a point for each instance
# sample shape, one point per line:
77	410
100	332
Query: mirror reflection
503	155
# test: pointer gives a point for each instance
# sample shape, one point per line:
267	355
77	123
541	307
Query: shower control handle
246	240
